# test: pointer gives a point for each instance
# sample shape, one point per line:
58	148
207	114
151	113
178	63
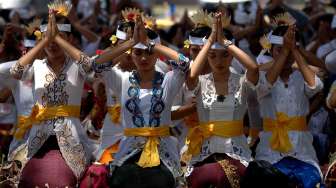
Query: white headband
61	27
217	45
262	58
333	23
196	41
274	39
144	47
29	43
121	35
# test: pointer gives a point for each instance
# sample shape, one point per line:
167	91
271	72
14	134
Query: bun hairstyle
124	25
228	34
151	34
281	31
325	18
200	32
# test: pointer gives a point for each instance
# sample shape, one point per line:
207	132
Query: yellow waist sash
198	134
280	127
40	114
114	112
150	154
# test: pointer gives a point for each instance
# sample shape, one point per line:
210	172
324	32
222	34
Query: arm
252	68
167	52
33	53
311	58
197	66
199	63
308	74
183	111
276	68
68	48
115	52
87	33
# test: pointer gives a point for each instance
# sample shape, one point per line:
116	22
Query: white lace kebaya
51	90
233	107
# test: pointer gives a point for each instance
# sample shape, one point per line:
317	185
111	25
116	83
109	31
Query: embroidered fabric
17	70
50	89
233	108
119	82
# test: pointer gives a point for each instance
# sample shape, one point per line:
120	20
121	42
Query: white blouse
52	90
232	108
23	97
111	133
294	101
129	146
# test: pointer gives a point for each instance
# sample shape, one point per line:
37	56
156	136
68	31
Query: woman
284	94
146	149
56	139
218	145
112	129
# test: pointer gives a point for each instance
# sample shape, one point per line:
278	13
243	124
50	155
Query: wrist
227	43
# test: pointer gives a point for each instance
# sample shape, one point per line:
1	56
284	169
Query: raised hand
220	35
139	30
52	29
214	33
289	38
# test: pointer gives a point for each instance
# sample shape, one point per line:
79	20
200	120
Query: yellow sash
150	154
198	134
114	112
39	114
107	157
280	127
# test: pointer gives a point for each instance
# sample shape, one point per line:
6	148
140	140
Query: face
219	59
53	50
143	60
194	50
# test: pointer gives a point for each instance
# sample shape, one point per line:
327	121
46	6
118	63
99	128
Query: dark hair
151	34
228	34
276	11
201	32
123	26
173	31
281	31
324	18
59	20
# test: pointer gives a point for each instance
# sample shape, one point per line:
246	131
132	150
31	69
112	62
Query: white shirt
235	108
294	101
326	48
23	97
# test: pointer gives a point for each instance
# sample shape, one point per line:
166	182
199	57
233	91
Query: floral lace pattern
56	90
235	147
17	70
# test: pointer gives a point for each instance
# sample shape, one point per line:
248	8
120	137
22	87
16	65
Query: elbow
254	68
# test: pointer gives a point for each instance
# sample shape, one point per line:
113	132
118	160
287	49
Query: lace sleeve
182	64
85	64
17	70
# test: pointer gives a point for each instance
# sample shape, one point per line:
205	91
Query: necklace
157	105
